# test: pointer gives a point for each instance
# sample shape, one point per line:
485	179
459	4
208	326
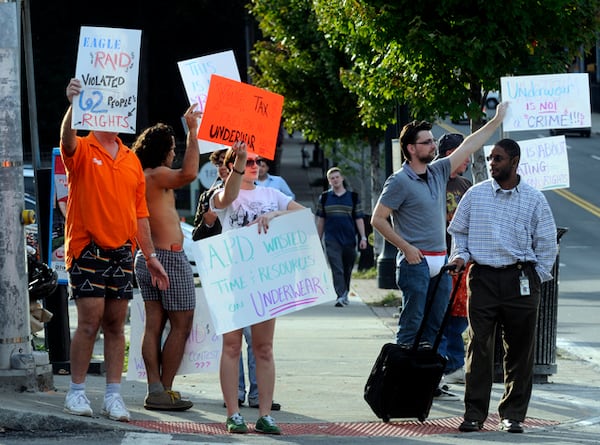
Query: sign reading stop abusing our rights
550	101
543	164
107	66
249	277
202	351
238	111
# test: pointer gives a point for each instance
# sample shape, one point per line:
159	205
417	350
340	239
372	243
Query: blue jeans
253	390
415	283
453	345
341	260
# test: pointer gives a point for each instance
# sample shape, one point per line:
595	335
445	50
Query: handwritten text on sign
546	101
202	350
238	111
249	277
107	66
196	74
544	163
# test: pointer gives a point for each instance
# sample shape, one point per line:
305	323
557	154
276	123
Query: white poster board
544	163
250	277
549	101
196	73
202	350
107	66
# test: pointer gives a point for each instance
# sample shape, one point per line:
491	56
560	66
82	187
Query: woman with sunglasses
240	203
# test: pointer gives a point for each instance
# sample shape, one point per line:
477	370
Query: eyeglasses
495	158
251	162
427	142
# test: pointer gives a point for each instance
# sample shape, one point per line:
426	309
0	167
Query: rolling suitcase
403	380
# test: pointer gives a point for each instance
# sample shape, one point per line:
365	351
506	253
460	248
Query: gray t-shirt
418	206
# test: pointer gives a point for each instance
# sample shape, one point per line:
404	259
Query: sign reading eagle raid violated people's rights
249	277
107	66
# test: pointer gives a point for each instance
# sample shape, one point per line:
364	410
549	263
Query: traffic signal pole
18	367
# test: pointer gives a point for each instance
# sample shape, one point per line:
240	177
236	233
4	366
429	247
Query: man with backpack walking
339	218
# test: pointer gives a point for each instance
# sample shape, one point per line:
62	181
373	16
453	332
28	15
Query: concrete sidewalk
323	357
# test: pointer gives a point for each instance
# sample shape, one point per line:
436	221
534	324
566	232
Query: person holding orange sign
241	203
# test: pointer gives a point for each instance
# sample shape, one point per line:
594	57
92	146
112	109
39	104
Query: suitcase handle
430	295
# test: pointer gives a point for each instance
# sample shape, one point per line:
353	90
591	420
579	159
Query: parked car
583	132
492	100
29	180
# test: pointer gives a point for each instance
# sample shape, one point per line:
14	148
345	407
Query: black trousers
495	301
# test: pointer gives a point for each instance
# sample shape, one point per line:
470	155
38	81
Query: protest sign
59	192
202	349
544	163
196	74
546	101
249	277
238	111
107	66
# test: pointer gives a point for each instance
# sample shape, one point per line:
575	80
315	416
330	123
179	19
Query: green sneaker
267	425
235	424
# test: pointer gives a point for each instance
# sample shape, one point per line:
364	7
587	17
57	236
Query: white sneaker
77	403
345	300
455	377
114	408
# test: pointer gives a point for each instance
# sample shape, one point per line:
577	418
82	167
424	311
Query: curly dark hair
409	133
154	144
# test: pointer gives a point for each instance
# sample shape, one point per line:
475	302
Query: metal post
18	368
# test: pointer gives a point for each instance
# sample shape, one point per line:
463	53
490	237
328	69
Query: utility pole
18	367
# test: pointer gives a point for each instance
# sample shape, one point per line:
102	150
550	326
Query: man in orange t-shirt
106	217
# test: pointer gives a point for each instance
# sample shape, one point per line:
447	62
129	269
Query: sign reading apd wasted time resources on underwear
249	277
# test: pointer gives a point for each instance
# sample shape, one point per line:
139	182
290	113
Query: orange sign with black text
238	111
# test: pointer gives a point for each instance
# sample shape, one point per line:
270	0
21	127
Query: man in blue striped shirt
506	228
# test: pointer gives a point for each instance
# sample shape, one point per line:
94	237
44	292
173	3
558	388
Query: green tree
295	60
442	57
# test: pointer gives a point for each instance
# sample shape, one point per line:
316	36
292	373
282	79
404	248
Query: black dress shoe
274	406
511	426
240	404
470	426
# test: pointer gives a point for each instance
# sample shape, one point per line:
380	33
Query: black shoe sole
274	406
470	427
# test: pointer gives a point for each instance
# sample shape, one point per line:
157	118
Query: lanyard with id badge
524	284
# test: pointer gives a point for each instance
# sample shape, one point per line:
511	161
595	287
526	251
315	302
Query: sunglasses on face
251	162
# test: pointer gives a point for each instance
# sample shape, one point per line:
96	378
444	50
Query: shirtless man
155	148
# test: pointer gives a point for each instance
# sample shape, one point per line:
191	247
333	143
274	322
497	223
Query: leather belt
518	265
